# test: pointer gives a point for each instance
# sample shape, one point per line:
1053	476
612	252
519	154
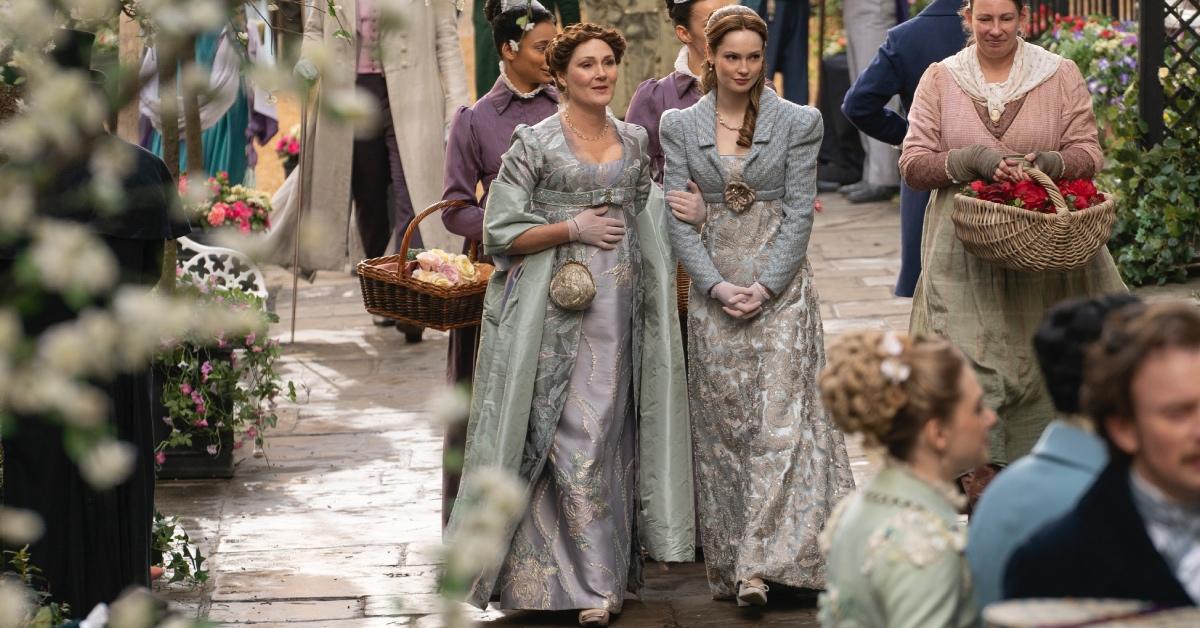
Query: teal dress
225	141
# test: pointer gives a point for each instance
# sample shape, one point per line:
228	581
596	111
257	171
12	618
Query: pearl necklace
722	122
571	125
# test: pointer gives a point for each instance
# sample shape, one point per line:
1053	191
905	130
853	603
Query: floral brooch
738	196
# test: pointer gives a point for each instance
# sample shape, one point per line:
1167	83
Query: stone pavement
339	524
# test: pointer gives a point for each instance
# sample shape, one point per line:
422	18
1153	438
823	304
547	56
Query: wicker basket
683	286
1020	239
396	295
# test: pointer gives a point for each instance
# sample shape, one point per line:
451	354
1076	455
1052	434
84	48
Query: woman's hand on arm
688	206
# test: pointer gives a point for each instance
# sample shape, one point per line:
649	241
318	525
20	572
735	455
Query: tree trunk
168	68
129	61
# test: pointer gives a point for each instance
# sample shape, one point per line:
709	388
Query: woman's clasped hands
739	302
592	228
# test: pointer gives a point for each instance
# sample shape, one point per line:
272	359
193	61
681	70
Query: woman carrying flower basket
479	136
999	96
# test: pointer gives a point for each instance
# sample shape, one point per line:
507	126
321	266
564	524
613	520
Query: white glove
306	70
592	228
688	206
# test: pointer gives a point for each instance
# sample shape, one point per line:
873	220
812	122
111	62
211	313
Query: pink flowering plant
223	205
227	382
287	148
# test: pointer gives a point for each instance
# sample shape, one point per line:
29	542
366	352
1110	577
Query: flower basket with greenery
1033	226
225	383
217	205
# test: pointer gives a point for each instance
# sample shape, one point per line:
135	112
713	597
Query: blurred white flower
10	330
84	346
19	526
68	257
107	464
181	17
39	390
134	609
18	203
356	107
29	22
90	10
15	603
497	500
451	405
98	618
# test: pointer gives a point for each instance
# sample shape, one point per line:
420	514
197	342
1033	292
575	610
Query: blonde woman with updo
770	464
895	548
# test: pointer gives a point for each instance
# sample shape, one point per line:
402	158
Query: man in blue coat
934	34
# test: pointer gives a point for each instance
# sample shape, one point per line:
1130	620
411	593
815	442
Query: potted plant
216	392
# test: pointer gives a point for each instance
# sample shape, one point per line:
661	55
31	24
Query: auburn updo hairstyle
558	54
504	23
886	386
722	22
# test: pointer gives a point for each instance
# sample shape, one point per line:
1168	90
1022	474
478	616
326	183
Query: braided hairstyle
722	22
886	386
504	23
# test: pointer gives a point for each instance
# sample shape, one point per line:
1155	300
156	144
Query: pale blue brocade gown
574	547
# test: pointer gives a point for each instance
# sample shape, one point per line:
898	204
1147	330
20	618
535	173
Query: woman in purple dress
679	89
479	136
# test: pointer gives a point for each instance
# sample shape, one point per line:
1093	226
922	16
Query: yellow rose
466	269
431	277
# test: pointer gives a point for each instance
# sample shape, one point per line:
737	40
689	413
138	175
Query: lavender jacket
479	137
676	90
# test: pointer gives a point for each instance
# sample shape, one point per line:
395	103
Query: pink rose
160	458
211	449
450	272
251	432
293	148
202	423
216	215
206	370
185	388
244	225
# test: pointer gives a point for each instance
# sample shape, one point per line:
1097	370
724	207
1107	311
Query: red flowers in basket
1029	194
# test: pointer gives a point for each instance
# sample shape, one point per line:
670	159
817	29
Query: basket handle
472	253
1056	197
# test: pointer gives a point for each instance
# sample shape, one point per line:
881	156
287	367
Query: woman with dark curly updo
579	386
894	549
479	135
